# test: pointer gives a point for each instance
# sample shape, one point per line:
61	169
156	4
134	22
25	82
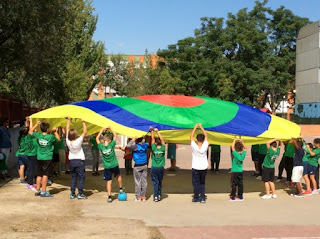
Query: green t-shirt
158	158
263	149
237	162
109	158
45	145
306	153
255	148
313	160
32	145
289	150
23	147
271	157
56	147
61	144
93	141
215	148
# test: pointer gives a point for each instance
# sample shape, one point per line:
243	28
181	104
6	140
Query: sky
132	26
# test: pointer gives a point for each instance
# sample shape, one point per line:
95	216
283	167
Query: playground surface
27	216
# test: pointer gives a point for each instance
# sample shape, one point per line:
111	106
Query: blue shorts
312	170
107	174
22	160
172	149
305	167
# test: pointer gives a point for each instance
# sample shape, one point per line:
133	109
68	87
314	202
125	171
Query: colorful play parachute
174	116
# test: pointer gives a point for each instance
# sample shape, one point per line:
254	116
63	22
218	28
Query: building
307	97
102	92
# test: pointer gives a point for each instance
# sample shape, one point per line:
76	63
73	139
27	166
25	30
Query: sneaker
217	172
195	200
37	193
137	199
315	192
274	196
31	187
203	201
72	195
23	181
121	190
232	199
49	182
143	199
299	195
46	195
67	172
278	180
81	196
94	174
307	192
109	199
291	184
259	177
240	199
266	196
156	199
159	198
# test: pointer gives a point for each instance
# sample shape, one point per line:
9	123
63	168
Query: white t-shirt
199	156
75	148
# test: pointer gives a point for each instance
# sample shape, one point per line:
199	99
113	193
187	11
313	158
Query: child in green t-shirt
45	143
239	153
158	162
95	154
273	152
313	164
22	153
305	163
109	159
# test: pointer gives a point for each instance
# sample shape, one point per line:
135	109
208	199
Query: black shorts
255	156
44	167
107	175
55	158
267	174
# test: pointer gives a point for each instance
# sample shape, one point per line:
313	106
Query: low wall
310	130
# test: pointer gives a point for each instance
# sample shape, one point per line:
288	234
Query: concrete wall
308	71
307	65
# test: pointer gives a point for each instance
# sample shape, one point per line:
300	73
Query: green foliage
248	55
46	49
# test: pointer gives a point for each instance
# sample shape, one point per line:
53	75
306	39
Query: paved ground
25	216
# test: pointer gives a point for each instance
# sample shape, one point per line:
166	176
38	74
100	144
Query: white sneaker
266	196
259	178
314	192
274	195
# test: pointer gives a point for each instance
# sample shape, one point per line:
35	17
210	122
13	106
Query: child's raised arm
98	136
152	135
84	129
273	140
55	133
32	129
295	144
114	133
68	124
310	151
160	136
244	146
193	131
233	146
204	132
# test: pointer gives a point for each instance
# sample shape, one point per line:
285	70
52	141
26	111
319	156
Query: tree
248	55
43	45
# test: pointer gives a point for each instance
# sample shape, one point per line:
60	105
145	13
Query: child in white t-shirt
199	163
77	158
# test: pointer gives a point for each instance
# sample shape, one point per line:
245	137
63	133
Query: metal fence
14	110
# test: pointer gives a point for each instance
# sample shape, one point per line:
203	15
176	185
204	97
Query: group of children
37	153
